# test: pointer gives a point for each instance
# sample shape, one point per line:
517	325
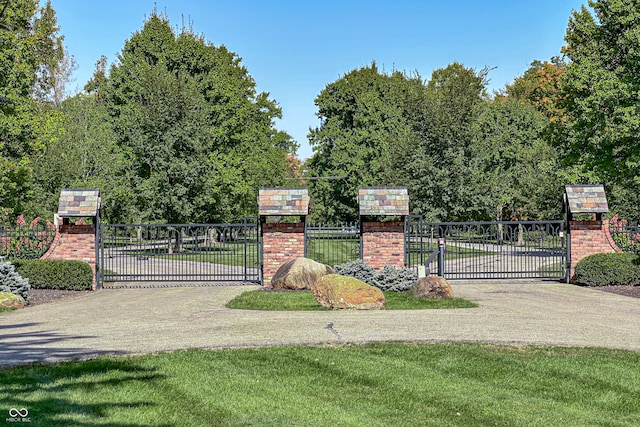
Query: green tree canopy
197	137
30	52
602	89
362	114
436	162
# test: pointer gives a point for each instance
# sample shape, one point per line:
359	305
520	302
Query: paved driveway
128	321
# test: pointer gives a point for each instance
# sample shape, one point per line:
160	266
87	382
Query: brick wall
383	244
280	243
76	243
587	238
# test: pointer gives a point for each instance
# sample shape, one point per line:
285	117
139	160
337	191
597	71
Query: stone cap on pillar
383	201
79	203
283	201
585	199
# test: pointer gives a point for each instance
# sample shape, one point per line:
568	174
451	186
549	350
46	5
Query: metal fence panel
26	242
179	252
332	244
490	250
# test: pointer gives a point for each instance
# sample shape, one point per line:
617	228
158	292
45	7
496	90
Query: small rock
336	291
10	300
299	274
431	287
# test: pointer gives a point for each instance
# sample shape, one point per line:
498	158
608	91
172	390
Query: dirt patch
43	296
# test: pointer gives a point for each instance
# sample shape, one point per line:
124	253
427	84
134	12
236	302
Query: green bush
608	270
56	274
389	279
13	282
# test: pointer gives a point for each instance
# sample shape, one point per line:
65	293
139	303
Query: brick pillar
280	243
383	244
587	238
76	243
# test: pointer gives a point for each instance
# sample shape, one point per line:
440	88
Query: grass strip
305	301
380	384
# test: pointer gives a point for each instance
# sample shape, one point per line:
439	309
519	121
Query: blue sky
293	49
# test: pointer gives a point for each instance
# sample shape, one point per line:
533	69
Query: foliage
372	384
56	274
30	56
362	115
11	281
197	139
305	301
26	242
612	269
600	90
518	177
435	162
389	279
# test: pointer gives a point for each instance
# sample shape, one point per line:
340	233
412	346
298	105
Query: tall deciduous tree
517	166
197	136
436	163
362	115
29	52
601	83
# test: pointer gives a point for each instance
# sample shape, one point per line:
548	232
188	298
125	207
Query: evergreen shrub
11	281
56	274
388	279
611	269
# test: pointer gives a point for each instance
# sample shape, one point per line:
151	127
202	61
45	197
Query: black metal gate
178	253
332	244
488	250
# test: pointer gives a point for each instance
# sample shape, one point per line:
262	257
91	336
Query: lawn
304	300
382	384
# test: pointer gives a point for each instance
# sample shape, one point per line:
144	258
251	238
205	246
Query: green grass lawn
382	384
304	300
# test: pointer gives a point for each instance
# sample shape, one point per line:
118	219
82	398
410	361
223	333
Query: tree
518	167
601	90
29	42
435	161
197	137
362	115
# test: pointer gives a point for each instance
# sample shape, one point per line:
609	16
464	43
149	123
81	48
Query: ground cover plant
304	300
409	384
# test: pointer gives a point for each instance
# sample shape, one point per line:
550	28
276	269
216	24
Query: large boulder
10	300
336	291
431	287
299	274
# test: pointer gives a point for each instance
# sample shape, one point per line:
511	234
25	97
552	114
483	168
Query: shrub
388	279
11	281
608	270
56	274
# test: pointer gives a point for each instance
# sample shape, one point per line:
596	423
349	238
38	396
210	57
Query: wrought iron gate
332	244
488	250
179	252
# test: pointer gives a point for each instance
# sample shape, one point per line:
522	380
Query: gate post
382	216
281	240
77	241
587	237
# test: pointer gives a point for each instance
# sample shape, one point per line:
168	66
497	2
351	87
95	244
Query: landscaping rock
336	291
431	287
299	274
10	300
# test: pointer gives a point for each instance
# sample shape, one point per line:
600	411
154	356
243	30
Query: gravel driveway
126	321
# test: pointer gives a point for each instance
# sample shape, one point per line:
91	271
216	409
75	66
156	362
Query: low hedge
612	269
56	274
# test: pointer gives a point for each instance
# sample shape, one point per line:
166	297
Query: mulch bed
43	296
628	291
